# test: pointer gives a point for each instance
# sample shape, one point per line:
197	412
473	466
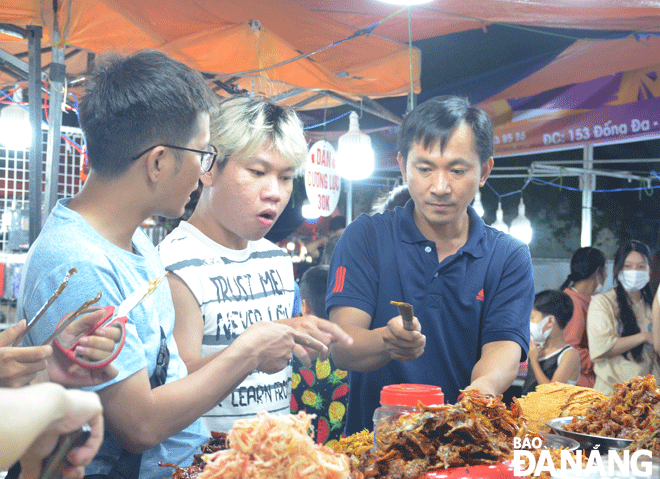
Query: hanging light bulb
406	3
499	223
476	204
521	227
355	157
308	211
15	132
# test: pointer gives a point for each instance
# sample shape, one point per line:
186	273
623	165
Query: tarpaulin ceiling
465	44
234	42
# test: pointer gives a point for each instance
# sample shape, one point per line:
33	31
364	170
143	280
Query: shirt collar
474	245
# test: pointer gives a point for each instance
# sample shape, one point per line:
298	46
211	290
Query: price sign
322	182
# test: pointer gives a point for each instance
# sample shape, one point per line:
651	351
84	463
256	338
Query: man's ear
552	321
402	165
208	176
305	307
486	168
155	163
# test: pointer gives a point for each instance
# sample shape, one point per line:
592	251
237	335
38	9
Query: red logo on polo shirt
481	296
340	276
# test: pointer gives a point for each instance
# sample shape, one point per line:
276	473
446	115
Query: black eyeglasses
207	159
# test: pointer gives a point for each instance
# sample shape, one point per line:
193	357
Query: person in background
586	279
471	286
146	120
655	313
232	286
315	248
551	358
329	249
322	389
35	417
619	323
399	196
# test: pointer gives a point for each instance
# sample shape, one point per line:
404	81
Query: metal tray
587	441
556	441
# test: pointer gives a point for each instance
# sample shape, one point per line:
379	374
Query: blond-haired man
228	282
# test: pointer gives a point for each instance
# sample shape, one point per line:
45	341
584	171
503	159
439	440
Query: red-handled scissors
116	317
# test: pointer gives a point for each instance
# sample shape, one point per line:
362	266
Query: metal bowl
587	441
555	441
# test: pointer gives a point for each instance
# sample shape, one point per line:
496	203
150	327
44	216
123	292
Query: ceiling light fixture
406	3
521	227
477	205
355	157
499	223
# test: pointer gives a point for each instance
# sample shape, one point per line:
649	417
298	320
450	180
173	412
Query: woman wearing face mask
551	358
587	279
619	322
656	322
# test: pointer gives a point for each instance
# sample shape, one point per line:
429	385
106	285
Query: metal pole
57	77
349	202
588	186
34	91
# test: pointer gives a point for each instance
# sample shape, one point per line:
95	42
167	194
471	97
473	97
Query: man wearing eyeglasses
232	288
146	121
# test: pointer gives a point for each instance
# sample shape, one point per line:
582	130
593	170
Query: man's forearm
156	414
498	367
366	354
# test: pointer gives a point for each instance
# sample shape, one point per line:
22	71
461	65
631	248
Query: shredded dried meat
273	447
477	430
625	415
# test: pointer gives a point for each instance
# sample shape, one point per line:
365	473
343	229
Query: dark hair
627	319
556	303
584	263
336	223
434	121
329	248
137	101
399	196
313	288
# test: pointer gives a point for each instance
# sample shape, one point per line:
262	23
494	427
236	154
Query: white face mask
536	329
633	280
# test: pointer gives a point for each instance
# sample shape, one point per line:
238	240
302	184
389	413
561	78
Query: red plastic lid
409	394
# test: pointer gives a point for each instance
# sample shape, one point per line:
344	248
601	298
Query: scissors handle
69	348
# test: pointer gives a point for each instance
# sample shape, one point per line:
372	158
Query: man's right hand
401	344
274	342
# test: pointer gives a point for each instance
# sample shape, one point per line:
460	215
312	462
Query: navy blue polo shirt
482	293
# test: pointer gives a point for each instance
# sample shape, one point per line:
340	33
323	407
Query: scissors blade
139	295
72	317
43	309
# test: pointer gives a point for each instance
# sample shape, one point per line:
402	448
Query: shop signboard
322	182
614	109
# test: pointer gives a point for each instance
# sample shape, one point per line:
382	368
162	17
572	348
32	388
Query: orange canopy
236	42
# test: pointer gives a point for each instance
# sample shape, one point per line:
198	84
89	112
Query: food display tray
587	441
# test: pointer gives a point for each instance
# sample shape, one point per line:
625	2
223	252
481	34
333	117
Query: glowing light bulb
521	227
499	223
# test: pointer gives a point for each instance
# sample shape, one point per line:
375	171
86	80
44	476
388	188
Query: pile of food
273	447
556	399
649	439
356	445
477	430
626	414
217	442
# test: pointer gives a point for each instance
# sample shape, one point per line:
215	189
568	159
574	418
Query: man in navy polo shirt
471	285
